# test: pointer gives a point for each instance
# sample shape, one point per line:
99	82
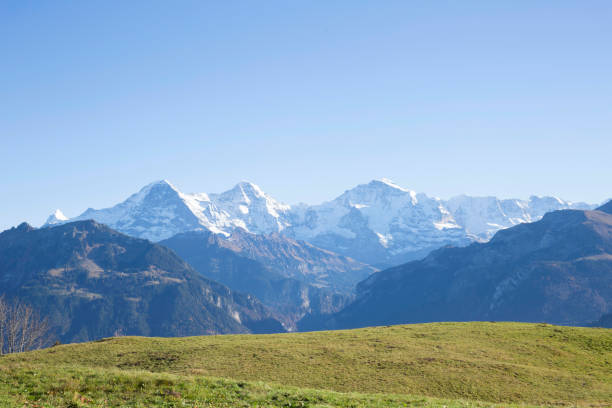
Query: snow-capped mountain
384	224
156	212
159	210
56	218
251	209
379	223
482	217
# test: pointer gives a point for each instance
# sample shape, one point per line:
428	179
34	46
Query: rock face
379	223
556	270
280	284
93	282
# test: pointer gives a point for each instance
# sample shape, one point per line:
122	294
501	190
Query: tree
21	328
3	318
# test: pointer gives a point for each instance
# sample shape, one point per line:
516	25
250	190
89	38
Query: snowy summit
56	218
378	223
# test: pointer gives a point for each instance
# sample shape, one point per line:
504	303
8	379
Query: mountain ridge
556	270
379	223
92	281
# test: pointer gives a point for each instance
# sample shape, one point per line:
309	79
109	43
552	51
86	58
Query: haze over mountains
379	223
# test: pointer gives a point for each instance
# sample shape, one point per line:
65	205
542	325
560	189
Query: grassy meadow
437	365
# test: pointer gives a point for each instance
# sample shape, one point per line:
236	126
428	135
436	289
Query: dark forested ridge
92	282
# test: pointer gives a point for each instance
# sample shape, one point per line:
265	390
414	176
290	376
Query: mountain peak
607	207
56	218
385	182
155	188
159	184
250	189
158	211
396	222
376	190
59	214
246	193
24	227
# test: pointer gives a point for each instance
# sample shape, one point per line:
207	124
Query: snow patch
56	218
236	316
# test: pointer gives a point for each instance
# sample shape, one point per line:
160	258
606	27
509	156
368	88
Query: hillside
556	270
93	282
497	362
289	298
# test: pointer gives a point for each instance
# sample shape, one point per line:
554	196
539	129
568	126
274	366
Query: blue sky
304	98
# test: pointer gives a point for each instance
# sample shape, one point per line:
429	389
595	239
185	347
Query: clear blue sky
304	98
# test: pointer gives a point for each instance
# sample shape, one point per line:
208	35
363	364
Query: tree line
21	328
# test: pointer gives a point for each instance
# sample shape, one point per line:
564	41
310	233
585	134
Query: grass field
439	364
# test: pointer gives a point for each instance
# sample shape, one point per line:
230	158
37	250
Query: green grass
81	387
449	364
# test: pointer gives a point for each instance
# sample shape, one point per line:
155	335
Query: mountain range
378	223
241	262
93	282
556	270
